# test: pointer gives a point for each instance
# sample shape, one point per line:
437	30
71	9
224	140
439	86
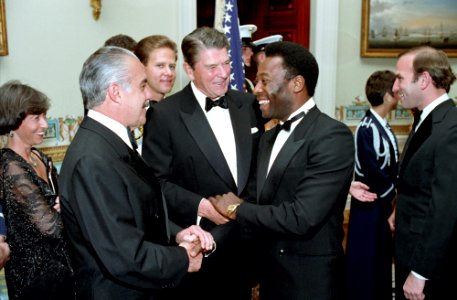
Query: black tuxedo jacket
299	216
185	155
113	212
182	149
426	215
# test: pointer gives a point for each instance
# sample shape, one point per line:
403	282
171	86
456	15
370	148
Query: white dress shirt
431	106
283	135
221	124
113	125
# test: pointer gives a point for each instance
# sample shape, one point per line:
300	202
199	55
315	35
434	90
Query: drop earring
11	133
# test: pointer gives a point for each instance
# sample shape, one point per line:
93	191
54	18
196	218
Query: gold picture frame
57	153
3	38
391	27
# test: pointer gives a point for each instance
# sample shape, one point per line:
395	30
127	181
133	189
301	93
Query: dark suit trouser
223	276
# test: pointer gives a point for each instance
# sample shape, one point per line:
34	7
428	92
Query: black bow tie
286	125
221	102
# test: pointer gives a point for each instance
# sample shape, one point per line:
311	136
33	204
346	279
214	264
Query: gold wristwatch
231	209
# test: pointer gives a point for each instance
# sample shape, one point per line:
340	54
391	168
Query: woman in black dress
39	266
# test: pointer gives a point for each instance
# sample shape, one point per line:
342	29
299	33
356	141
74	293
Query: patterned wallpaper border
63	129
400	119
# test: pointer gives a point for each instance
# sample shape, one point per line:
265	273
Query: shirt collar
113	125
304	108
431	106
201	98
381	120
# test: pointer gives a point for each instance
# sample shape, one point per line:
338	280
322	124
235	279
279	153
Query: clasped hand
195	240
222	203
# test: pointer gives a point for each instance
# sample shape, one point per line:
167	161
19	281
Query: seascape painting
391	26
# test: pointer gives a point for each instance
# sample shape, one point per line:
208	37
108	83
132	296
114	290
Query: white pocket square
254	130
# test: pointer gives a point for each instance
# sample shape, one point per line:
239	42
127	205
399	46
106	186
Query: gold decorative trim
57	153
3	38
96	8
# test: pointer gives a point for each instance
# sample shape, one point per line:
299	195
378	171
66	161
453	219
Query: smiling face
161	72
211	72
31	131
136	98
405	86
273	90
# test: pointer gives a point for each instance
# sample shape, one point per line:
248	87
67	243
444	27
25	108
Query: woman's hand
57	204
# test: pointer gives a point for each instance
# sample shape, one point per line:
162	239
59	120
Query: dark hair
200	39
151	43
123	41
378	84
297	60
433	61
18	100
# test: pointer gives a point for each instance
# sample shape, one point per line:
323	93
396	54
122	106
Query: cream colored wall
50	39
353	70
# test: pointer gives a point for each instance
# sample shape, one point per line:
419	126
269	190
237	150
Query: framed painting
53	129
3	39
389	27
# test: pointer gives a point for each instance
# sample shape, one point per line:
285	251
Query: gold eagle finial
96	8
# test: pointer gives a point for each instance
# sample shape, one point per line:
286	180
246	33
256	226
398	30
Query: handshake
197	243
226	204
219	209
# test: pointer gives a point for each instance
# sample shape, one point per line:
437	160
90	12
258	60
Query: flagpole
226	20
219	15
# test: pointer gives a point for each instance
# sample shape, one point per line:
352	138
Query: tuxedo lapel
405	148
143	170
138	163
118	145
200	130
243	139
278	168
291	146
133	160
264	158
128	155
416	139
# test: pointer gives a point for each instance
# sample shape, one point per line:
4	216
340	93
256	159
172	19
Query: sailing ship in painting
402	37
405	24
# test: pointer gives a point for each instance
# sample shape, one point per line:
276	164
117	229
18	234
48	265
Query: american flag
226	20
